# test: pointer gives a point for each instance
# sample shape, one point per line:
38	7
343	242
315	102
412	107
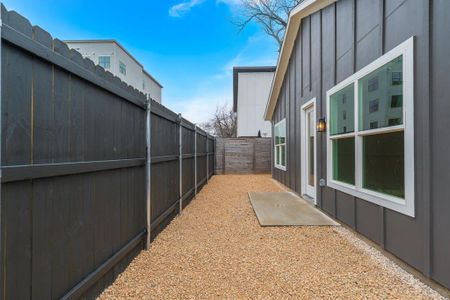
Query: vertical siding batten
426	136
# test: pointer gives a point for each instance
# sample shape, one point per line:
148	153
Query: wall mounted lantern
321	125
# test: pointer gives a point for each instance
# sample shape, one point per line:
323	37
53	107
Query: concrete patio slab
286	209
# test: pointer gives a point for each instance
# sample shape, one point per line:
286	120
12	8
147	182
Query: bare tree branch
223	123
271	15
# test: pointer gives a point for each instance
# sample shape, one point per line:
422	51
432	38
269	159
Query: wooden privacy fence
243	155
91	171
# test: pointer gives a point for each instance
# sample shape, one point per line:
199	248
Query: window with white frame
370	153
280	144
104	61
122	68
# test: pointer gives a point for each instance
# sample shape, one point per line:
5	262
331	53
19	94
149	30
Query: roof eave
303	10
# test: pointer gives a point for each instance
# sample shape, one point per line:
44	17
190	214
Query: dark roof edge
237	70
255	69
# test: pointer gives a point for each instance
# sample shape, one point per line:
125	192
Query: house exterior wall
94	50
333	44
252	94
135	74
152	88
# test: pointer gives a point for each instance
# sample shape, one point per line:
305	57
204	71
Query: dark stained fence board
74	152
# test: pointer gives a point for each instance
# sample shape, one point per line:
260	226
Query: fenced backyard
78	147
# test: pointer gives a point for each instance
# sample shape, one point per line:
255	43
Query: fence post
195	159
1	134
207	158
148	173
180	126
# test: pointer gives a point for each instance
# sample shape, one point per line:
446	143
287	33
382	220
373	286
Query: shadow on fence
75	204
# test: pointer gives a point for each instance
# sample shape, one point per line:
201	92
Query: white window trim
405	206
278	166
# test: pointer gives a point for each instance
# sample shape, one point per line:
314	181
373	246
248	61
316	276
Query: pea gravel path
216	249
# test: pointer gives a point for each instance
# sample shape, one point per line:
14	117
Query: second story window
104	61
122	68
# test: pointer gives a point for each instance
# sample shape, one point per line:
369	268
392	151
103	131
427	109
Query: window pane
280	133
381	96
277	154
122	68
384	164
104	61
311	150
342	118
344	160
283	132
283	155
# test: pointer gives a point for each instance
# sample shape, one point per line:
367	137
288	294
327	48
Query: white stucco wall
252	96
135	75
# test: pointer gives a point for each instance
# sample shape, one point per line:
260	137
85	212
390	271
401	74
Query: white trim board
303	10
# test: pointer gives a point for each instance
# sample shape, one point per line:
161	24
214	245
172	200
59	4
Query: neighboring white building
116	59
251	88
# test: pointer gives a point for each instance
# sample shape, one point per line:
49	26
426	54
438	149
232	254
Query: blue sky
190	46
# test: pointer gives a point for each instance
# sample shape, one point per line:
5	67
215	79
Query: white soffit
303	10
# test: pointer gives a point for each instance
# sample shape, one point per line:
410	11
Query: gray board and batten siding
333	44
74	157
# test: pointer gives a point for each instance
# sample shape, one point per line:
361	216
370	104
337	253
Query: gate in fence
91	171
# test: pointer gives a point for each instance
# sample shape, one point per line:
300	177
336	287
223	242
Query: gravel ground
216	249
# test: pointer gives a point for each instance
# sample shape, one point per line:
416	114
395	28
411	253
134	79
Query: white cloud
183	8
260	50
200	109
230	2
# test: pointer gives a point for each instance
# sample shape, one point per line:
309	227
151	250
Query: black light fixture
321	125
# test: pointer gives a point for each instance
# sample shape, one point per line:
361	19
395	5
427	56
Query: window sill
403	206
280	167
